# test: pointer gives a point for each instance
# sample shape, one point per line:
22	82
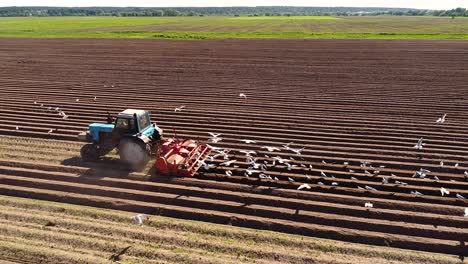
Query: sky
421	4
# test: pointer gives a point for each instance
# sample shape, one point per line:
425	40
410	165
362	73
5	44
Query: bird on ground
370	188
420	144
17	128
323	174
138	219
320	183
441	119
276	179
264	176
229	173
459	196
95	98
384	180
77	100
334	184
360	188
456	165
50	131
416	193
441	163
368	205
435	178
353	178
444	191
290	179
304	186
248	141
466	212
271	149
228	163
400	183
178	109
35	102
117	256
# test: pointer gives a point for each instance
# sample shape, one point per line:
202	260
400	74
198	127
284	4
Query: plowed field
357	108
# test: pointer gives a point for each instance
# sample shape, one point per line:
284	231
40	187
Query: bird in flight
178	109
441	120
420	144
243	96
303	186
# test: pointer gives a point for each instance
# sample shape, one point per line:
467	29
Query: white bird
50	131
334	183
444	191
264	176
420	144
441	119
286	146
320	183
207	166
248	152
77	100
17	127
228	163
276	179
441	163
416	193
456	165
65	116
360	188
323	174
368	205
290	179
243	95
229	173
323	162
297	151
370	188
35	102
57	109
353	178
384	180
95	98
215	137
305	185
138	219
459	196
248	141
466	212
402	183
178	109
436	178
271	149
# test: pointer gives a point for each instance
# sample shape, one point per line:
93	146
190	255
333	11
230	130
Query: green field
382	27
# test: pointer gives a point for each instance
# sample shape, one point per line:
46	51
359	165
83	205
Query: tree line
224	11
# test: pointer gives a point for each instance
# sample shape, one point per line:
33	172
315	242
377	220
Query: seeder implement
181	157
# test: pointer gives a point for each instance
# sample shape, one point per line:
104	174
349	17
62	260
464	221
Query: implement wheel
90	152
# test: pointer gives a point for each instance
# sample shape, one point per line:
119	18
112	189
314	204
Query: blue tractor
132	133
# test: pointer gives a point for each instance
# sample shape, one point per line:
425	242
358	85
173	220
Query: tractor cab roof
131	112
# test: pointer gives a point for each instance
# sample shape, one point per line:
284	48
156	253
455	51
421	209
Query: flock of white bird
260	166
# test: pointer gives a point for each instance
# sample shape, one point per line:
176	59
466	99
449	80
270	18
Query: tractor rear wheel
133	152
90	152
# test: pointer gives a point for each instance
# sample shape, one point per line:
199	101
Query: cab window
121	123
144	121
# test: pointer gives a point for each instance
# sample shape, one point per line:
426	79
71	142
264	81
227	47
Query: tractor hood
96	127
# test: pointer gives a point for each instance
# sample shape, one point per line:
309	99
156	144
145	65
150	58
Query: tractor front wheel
90	152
